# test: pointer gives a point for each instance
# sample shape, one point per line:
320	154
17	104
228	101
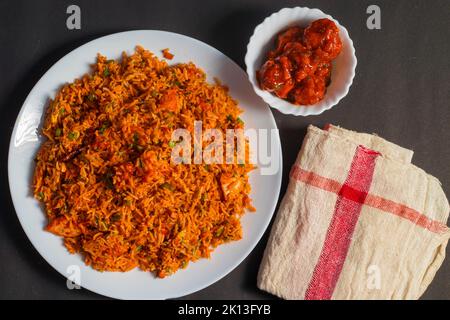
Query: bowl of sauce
301	61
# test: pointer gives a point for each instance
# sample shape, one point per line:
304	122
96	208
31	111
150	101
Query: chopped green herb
91	97
140	164
106	72
108	179
103	226
168	270
104	126
109	61
230	117
41	196
240	120
58	132
135	144
116	217
219	231
241	164
167	186
73	135
172	144
154	93
62	111
138	248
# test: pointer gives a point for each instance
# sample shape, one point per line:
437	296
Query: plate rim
15	199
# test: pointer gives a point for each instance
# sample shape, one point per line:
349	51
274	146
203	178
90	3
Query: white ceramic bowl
263	40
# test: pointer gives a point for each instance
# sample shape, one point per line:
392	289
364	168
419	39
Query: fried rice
104	172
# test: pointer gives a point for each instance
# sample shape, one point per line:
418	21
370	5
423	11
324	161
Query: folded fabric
374	142
358	221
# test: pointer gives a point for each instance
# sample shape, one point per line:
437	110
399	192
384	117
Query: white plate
263	39
137	284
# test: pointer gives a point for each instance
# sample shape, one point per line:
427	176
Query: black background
401	91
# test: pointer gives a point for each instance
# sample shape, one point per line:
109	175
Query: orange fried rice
105	176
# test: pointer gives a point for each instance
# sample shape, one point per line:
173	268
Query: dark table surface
401	91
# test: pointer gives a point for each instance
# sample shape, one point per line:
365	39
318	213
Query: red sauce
299	68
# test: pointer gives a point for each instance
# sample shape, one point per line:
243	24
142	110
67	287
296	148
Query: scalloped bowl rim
283	105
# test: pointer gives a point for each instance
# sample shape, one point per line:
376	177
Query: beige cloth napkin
358	221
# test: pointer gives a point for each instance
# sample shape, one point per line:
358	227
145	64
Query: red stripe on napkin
405	212
351	197
315	180
374	201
